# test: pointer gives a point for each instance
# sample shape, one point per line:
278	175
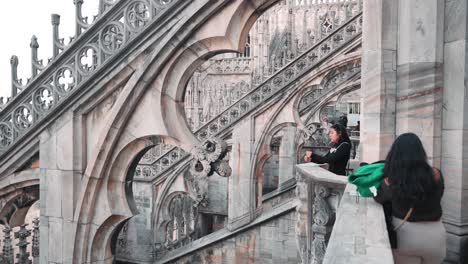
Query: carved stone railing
321	18
282	80
157	160
70	69
319	194
360	233
232	65
311	99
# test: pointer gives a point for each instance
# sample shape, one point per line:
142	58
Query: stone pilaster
58	191
379	49
420	72
241	201
455	130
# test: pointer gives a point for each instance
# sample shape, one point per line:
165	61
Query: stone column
455	130
420	72
241	201
58	190
287	157
379	45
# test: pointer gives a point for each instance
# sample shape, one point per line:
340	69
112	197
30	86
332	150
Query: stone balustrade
74	66
360	233
334	225
319	194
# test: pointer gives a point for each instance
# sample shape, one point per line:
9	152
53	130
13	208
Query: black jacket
337	160
424	210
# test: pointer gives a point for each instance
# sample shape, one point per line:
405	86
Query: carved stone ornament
302	193
208	158
323	217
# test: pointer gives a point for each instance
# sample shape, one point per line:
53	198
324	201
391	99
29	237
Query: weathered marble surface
359	234
379	59
268	239
319	193
454	156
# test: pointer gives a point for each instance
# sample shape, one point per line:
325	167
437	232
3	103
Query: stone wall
270	242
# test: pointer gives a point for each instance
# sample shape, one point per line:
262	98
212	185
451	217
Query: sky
21	19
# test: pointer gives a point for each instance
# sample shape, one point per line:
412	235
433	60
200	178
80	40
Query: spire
34	46
14	75
81	23
55	35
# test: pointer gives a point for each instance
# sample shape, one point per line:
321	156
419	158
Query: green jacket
368	179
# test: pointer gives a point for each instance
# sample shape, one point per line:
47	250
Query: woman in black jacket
412	191
338	156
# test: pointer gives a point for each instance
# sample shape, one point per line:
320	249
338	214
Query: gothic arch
294	99
16	205
165	215
163	198
19	193
119	192
265	151
151	76
340	90
114	195
215	38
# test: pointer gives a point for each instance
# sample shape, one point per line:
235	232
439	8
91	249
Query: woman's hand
308	156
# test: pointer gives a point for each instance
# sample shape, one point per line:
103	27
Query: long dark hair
341	130
410	175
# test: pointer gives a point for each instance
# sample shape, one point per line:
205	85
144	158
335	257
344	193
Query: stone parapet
319	194
360	233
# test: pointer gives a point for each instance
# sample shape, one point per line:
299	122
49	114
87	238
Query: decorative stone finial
14	60
35	241
34	43
7	245
55	19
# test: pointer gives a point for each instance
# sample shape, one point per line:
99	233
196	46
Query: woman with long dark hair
338	156
414	189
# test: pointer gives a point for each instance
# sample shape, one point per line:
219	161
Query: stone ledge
360	233
316	173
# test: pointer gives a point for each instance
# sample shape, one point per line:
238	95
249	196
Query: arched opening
132	241
158	186
19	222
332	102
183	217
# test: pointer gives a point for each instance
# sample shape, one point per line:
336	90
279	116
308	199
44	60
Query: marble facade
130	163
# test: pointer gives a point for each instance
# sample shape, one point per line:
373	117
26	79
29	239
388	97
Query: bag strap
408	214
